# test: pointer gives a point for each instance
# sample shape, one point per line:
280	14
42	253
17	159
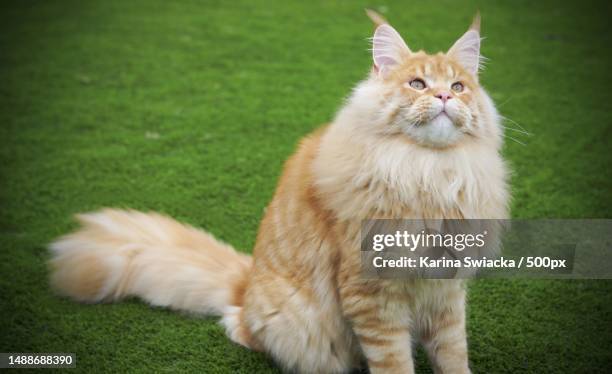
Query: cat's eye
457	87
417	84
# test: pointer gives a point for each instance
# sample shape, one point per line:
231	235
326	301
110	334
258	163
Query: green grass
190	108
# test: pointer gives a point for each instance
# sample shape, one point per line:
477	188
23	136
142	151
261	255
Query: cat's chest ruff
406	190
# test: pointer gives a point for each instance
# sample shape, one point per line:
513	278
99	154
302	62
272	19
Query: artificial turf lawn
190	109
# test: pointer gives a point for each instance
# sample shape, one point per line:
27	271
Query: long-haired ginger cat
418	138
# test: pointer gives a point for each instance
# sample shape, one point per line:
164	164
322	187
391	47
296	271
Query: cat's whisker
513	122
513	139
504	103
517	130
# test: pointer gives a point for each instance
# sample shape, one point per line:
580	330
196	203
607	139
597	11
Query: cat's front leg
382	328
445	338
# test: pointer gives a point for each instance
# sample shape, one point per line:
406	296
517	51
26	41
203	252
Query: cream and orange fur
397	149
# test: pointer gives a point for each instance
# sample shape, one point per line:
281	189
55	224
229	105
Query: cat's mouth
442	113
439	131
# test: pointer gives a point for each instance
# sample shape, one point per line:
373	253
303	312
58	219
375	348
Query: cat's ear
388	48
466	50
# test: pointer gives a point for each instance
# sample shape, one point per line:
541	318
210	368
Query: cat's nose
444	96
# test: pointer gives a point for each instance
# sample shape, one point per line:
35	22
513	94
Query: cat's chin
440	132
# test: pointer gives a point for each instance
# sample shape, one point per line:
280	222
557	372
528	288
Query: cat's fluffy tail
118	253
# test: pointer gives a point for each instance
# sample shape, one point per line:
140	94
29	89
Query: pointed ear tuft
476	22
388	48
376	18
466	50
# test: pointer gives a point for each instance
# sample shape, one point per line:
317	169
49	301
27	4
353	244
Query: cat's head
435	100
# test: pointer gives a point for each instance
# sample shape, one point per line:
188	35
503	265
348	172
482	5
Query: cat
418	138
